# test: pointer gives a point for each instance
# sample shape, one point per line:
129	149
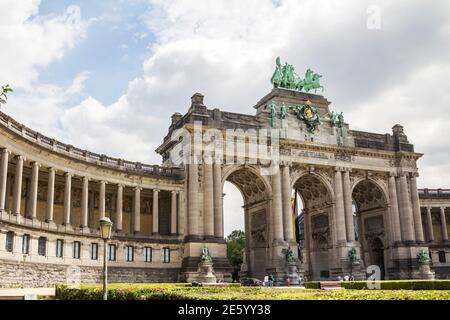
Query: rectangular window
42	246
112	252
94	251
76	249
59	248
130	253
442	258
9	241
166	252
26	244
148	254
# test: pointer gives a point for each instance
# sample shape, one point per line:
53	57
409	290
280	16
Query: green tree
4	90
235	248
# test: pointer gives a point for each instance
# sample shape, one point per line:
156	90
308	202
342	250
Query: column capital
175	191
4	150
102	182
137	188
338	169
443	209
429	208
414	175
156	190
392	174
86	178
36	164
120	185
68	174
51	169
20	157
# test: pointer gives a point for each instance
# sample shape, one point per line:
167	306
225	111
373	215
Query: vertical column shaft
50	195
18	185
119	208
430	225
155	211
407	214
84	203
173	213
181	213
218	200
193	210
67	198
208	201
444	225
277	207
3	178
339	207
32	214
101	200
287	204
137	210
348	207
393	209
418	229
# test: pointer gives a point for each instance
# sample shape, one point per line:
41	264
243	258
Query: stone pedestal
425	271
358	272
205	273
292	276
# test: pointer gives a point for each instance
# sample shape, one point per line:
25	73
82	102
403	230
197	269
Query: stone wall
13	274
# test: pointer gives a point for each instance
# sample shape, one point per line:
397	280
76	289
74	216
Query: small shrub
312	285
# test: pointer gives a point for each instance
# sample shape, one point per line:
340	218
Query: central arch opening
254	213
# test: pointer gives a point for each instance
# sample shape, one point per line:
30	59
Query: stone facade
52	196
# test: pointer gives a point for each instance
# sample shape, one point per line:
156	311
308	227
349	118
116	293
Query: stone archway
316	198
256	194
372	224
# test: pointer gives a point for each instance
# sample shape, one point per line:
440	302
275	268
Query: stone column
7	196
181	213
418	229
67	198
84	203
348	206
32	214
119	208
407	214
101	200
137	210
287	204
173	213
18	185
393	209
430	225
3	179
155	211
444	225
339	207
193	210
50	195
208	201
277	207
218	200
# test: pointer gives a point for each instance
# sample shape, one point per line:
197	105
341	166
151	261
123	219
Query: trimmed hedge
400	284
312	285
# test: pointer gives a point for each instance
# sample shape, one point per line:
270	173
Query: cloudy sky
107	75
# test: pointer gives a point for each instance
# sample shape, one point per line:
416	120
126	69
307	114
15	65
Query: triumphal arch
358	189
360	206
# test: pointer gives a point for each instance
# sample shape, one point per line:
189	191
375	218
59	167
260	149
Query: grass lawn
185	291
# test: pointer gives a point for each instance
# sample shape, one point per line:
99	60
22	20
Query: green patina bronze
305	112
423	256
285	76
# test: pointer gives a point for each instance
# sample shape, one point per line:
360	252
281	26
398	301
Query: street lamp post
105	231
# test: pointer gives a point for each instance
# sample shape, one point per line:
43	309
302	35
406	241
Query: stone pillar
393	210
85	203
32	214
67	198
348	206
407	214
339	207
181	213
173	213
218	200
287	204
193	210
18	185
155	211
3	179
430	225
444	225
277	207
7	196
208	201
137	210
101	200
119	208
418	229
50	195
